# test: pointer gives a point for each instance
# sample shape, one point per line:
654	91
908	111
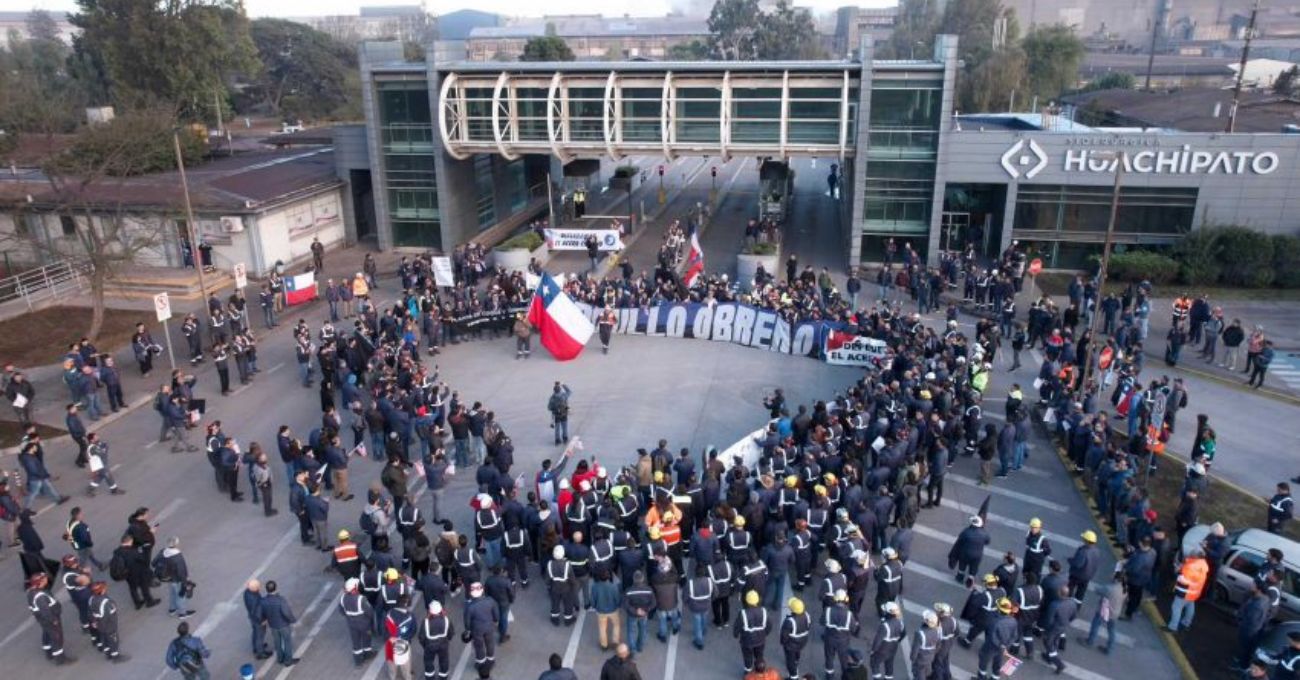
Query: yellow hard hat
829	477
739	521
796	605
1004	605
654	533
819	490
990	580
751	598
659	476
1089	536
1035	523
791	480
344	535
668	516
391	574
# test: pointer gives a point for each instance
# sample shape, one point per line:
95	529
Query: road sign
241	275
162	305
1035	266
661	171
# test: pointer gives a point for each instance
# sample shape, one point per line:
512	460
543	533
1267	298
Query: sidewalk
52	395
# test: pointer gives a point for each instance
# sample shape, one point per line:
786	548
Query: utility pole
191	227
1151	56
1094	344
1241	72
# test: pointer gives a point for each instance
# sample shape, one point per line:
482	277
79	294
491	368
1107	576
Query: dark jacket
619	669
276	612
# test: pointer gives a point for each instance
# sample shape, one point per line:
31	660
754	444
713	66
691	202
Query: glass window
69	225
1142	210
485	190
1247	562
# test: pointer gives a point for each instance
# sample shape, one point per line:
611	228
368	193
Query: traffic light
714	170
661	171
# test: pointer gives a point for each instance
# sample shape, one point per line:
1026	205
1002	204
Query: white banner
576	239
747	448
854	350
442	272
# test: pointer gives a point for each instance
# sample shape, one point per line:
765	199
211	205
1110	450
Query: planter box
518	259
747	266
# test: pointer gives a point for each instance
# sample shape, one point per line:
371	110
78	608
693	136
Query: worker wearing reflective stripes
926	646
794	635
435	637
347	559
1027	599
889	635
103	615
49	615
838	625
751	628
562	586
358	614
947	636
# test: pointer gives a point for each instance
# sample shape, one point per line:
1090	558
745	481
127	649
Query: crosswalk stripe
999	491
949	539
942	577
1008	522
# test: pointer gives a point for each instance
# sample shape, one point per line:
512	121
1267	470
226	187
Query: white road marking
571	652
670	658
1008	522
321	597
275	368
999	491
459	671
372	671
169	509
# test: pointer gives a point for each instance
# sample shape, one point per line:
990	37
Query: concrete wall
153	238
1268	202
286	233
351	152
945	52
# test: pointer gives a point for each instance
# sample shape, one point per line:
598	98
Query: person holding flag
563	328
694	258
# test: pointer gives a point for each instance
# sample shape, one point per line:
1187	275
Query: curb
92	427
1226	382
1148	606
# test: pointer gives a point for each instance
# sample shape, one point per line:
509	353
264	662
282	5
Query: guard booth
776	190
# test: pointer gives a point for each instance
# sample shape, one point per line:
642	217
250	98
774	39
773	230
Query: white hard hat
930	618
557	553
435	607
351	584
976	521
833	566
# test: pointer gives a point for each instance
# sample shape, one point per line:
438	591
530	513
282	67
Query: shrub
527	240
763	248
1198	257
1138	265
1247	257
1286	261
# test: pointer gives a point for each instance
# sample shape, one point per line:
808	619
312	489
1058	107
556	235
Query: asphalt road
692	393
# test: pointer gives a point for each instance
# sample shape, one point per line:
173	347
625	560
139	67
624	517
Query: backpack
368	523
160	570
117	567
158	402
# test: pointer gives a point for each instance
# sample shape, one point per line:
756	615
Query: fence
54	280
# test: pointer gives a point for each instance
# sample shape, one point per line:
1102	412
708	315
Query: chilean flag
694	259
563	327
299	289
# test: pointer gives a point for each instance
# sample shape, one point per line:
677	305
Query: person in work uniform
76	580
48	613
1083	566
981	609
481	626
832	583
838	625
751	628
518	548
346	559
562	586
1037	549
802	542
1027	599
1055	622
926	647
359	615
395	588
968	551
193	338
579	556
103	614
606	324
699	599
723	577
1002	634
372	581
889	578
435	637
947	636
890	633
794	634
638	601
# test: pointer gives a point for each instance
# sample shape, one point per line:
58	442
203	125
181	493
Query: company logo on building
1029	156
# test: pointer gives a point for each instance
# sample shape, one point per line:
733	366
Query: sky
283	8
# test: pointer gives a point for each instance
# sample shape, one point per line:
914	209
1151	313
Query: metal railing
49	281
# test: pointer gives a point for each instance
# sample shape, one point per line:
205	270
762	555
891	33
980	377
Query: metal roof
649	66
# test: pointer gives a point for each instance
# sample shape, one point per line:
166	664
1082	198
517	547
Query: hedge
1142	265
1222	255
528	240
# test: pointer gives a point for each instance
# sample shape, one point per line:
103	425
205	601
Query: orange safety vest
1191	579
1154	443
671	533
345	552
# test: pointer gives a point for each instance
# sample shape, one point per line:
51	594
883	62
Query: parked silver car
1247	552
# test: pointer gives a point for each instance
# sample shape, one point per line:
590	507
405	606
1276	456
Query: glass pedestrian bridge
581	109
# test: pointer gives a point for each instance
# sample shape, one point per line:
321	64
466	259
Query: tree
691	51
37	94
1286	81
180	51
305	73
1115	80
546	48
88	185
733	25
914	31
1053	55
989	85
787	33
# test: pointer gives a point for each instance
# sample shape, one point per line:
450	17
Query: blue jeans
1018	458
635	633
1181	613
304	369
561	431
259	635
462	453
1004	462
478	448
36	487
334	310
268	316
664	617
282	638
377	444
775	588
503	618
176	603
93	410
492	553
1110	630
699	622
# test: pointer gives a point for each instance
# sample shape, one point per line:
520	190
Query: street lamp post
1094	348
192	227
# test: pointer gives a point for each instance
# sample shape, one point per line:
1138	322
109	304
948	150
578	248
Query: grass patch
41	337
1058	283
